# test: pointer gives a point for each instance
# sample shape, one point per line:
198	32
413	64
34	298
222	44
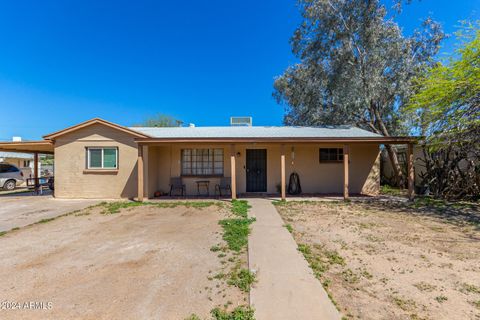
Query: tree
446	108
355	67
160	120
447	95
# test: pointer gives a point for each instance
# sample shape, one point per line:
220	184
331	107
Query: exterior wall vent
241	121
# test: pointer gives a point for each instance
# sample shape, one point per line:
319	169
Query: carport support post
140	172
35	170
411	172
233	176
282	168
346	154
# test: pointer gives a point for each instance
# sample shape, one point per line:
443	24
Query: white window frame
103	150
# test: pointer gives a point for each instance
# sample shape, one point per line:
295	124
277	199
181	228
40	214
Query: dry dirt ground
388	260
141	263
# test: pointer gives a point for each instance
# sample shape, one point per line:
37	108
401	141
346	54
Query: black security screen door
256	170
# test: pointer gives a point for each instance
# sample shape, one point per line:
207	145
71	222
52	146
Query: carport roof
43	146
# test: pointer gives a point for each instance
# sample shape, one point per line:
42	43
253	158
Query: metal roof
16	155
256	132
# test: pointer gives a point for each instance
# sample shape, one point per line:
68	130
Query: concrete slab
286	287
19	210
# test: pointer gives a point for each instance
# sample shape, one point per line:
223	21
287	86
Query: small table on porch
203	184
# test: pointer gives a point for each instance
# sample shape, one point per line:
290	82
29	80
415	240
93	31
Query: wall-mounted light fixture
238	154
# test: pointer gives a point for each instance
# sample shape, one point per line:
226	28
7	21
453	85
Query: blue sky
63	62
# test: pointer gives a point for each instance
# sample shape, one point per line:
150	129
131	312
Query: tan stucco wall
315	177
71	180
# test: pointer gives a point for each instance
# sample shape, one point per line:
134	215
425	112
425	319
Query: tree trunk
392	155
391	150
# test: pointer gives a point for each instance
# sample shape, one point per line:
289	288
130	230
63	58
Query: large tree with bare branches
355	67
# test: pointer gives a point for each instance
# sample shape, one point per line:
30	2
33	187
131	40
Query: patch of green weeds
240	208
215	248
219	276
350	277
236	231
242	279
476	304
392	191
279	203
284	203
115	207
288	227
193	317
441	299
334	258
45	220
424	286
316	263
404	304
239	313
366	274
2	233
469	288
319	265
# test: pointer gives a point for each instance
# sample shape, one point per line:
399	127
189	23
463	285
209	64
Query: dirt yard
143	262
388	260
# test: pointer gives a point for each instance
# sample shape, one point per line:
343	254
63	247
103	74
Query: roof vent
241	121
191	125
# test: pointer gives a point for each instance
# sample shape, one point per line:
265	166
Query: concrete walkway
286	287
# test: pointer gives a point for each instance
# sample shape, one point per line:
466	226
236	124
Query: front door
256	170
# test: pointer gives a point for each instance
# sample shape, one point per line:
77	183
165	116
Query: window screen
202	162
102	158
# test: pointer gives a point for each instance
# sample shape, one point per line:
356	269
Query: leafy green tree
160	120
355	67
448	94
446	110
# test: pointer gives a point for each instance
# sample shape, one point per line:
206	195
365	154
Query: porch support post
140	172
346	156
282	168
233	175
411	172
35	170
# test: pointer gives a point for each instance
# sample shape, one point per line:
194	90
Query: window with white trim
202	162
102	158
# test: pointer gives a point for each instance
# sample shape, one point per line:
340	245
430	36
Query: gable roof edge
92	122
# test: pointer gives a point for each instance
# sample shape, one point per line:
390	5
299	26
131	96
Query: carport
34	147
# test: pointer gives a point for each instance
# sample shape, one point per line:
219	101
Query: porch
261	168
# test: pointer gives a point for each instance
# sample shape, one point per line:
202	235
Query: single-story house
100	159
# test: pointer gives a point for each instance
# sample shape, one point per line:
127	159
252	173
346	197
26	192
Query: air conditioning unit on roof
241	121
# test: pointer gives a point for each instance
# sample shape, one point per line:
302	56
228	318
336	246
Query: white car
10	176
